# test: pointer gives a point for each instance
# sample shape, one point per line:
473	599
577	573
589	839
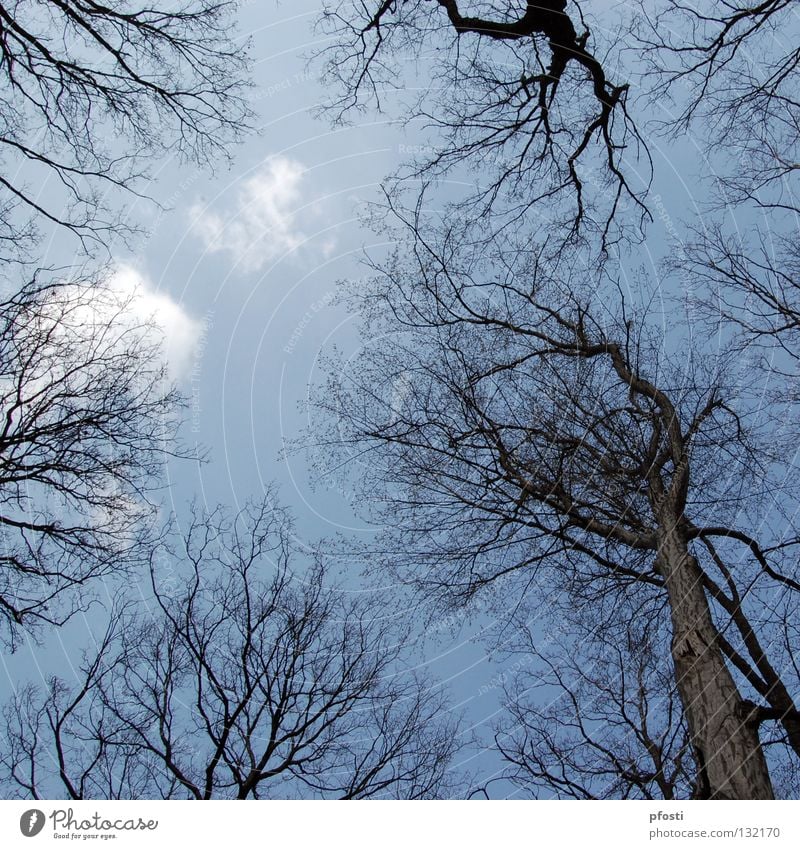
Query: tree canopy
567	440
90	92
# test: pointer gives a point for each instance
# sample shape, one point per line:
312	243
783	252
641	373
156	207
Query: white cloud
263	223
181	331
73	319
133	294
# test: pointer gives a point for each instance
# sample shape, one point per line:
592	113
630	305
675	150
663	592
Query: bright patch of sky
265	219
178	331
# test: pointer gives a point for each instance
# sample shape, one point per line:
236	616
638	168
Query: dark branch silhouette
76	76
521	99
89	416
251	676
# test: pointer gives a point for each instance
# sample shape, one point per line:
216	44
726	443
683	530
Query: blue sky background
242	271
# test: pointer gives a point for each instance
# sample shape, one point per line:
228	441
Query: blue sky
242	271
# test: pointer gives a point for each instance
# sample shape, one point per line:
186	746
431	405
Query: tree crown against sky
90	93
539	429
90	414
557	108
525	423
91	96
251	675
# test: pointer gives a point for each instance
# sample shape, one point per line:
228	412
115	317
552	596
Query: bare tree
522	92
76	76
594	712
89	416
252	676
731	69
750	284
542	439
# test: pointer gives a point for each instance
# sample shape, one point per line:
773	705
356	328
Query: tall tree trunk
730	758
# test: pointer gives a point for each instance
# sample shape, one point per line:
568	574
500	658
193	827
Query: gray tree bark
730	758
